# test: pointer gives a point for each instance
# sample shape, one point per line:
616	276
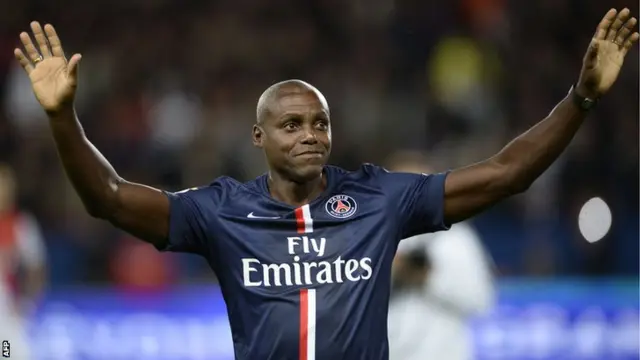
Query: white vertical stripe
311	324
308	221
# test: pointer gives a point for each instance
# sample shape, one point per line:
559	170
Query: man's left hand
610	44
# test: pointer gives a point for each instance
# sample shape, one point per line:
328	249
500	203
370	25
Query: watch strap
584	103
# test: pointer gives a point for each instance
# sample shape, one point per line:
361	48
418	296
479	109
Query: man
22	266
440	281
303	253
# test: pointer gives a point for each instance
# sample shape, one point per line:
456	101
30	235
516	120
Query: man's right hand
53	78
137	209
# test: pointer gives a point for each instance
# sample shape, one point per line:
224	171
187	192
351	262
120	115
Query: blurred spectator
136	266
441	282
22	264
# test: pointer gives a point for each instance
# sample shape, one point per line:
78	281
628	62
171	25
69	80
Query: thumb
72	67
592	55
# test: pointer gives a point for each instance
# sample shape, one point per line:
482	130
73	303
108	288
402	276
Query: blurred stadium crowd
168	92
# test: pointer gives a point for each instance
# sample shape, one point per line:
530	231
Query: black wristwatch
585	104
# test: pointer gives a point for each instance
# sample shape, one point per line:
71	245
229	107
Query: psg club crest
341	206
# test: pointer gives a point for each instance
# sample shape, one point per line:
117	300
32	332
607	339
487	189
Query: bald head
294	130
269	100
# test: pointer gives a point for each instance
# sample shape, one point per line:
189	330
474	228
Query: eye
290	126
322	125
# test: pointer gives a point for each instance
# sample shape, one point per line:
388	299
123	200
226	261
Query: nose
309	137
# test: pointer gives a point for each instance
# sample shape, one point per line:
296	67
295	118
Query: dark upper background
168	92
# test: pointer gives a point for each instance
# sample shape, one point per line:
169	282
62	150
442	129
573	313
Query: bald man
303	253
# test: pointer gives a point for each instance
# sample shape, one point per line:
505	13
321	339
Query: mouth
311	154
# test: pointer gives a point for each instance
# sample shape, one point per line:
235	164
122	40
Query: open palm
53	78
610	44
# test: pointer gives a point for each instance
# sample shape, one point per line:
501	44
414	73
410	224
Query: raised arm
472	189
137	209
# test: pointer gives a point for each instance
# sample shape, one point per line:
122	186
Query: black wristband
585	104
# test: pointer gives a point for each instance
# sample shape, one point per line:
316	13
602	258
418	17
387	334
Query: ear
257	135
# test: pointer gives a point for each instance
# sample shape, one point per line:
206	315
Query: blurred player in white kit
22	267
440	281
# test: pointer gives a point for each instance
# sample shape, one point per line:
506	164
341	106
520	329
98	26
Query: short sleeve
418	201
192	217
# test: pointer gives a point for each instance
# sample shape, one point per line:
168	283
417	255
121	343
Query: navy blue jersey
311	282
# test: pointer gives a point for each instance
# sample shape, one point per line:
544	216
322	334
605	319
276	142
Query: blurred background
168	93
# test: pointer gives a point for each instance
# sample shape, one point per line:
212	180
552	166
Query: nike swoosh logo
251	216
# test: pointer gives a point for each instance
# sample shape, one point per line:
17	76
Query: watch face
583	103
587	103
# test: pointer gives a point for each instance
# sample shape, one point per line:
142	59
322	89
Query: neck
295	193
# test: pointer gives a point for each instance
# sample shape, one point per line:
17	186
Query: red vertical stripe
304	323
300	220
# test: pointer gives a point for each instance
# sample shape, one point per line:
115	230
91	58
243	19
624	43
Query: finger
630	42
23	60
72	67
605	23
591	57
41	39
31	50
625	31
54	40
617	24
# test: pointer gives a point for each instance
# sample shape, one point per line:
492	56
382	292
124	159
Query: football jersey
309	282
